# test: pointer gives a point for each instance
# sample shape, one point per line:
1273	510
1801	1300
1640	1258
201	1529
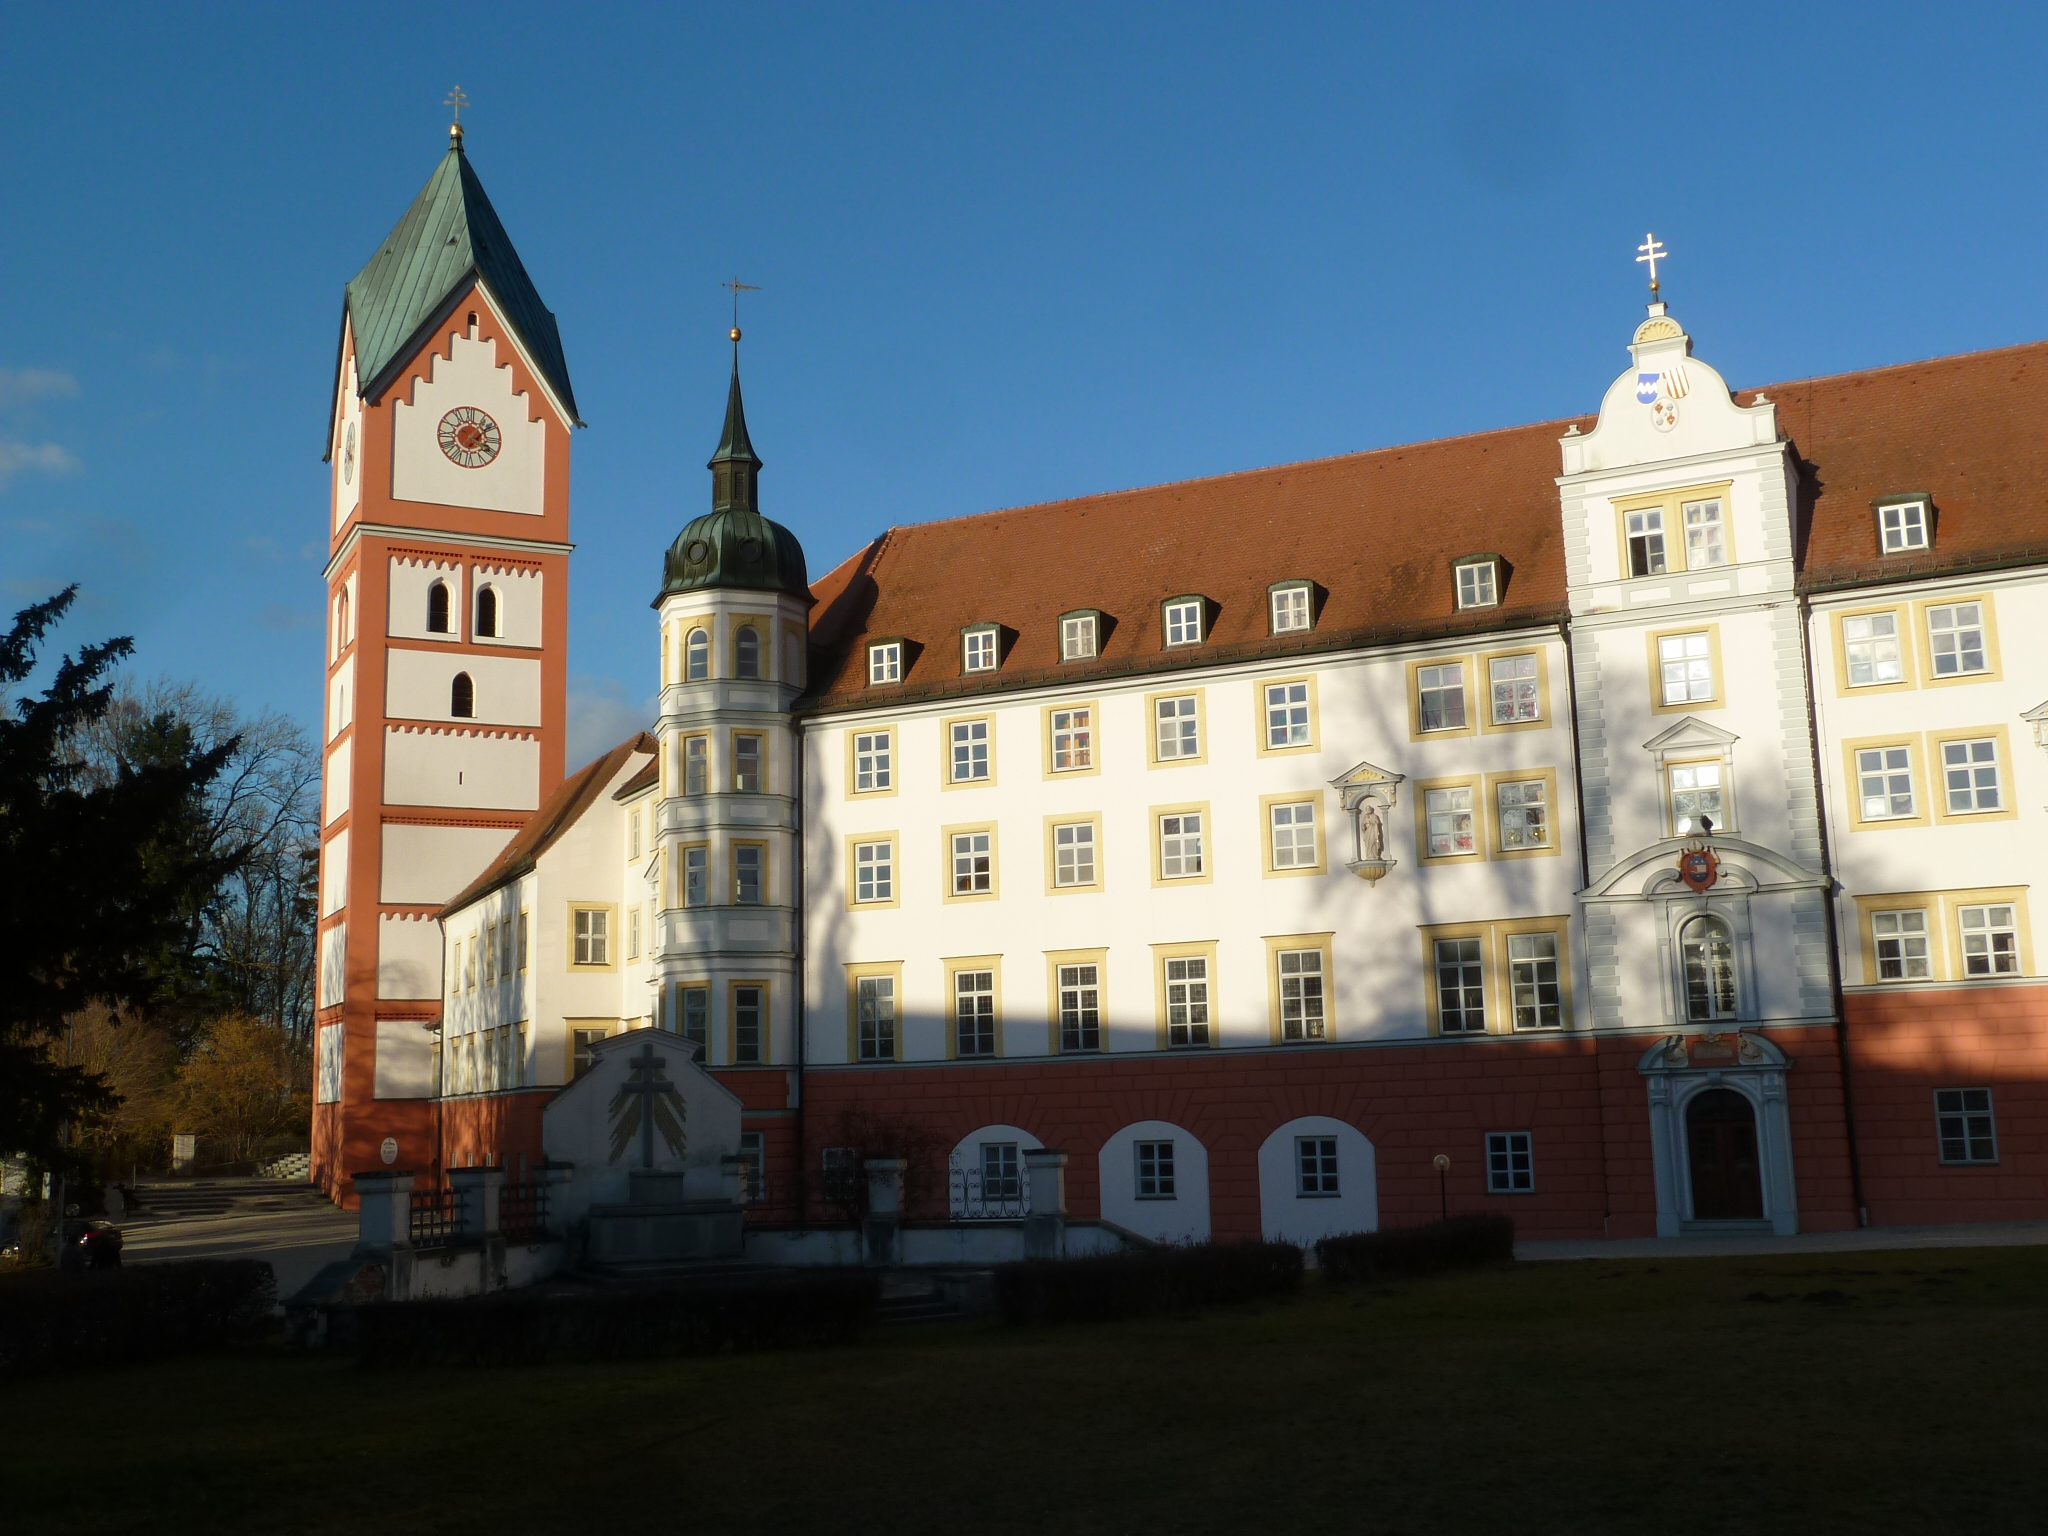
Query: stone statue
1372	837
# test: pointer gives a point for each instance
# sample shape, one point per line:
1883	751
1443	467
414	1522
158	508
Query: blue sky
1006	254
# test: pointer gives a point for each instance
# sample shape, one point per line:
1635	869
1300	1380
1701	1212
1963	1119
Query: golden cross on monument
738	288
1652	253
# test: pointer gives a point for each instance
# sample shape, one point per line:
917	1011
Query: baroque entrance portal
1720	1144
1720	1133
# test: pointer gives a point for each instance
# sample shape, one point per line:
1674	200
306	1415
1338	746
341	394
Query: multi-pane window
1073	739
1991	941
1301	994
746	651
1884	782
1073	853
1077	637
1903	527
885	663
1955	634
1184	623
1287	715
974	1013
697	1014
1476	585
1460	987
1524	813
978	651
696	765
1695	792
1969	769
1901	941
749	1014
1646	542
1706	537
1533	982
696	876
583	1056
633	836
1002	1178
505	946
873	761
1686	664
1448	814
1290	610
973	864
746	763
1315	1166
875	1010
753	1150
632	936
746	873
1962	1120
1080	1008
1180	845
1708	956
1440	697
490	947
697	656
1176	727
1187	1001
593	939
874	871
1515	697
970	751
1294	835
1510	1163
1872	643
1155	1170
522	941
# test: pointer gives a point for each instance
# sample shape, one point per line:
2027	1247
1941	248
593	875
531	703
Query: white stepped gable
512	481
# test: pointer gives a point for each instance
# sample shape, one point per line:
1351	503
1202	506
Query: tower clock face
469	437
348	457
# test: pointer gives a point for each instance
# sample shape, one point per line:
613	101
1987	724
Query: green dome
733	548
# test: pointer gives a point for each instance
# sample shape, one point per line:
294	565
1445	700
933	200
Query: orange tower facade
447	643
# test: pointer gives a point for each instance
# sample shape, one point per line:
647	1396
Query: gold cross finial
738	288
457	101
1653	253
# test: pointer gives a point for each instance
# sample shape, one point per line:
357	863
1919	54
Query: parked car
89	1243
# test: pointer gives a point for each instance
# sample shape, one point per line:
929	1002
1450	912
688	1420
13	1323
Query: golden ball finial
735	333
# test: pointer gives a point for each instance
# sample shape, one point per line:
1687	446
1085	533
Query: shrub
1144	1282
1463	1242
50	1320
637	1323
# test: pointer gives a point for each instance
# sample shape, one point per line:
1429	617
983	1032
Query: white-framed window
1524	813
875	1017
978	650
1515	694
1645	541
1315	1167
437	608
1294	834
969	763
973	864
1177	728
1538	999
1963	1125
1696	791
632	935
1969	771
1080	1008
593	939
746	762
1155	1169
1510	1163
974	1013
1871	641
487	613
1901	942
749	1015
505	947
873	761
1187	1001
462	697
696	1010
697	656
696	765
633	835
490	949
1686	663
1184	621
874	871
1073	853
1460	987
583	1056
1991	940
1884	782
1448	814
1287	715
1707	953
1002	1178
1078	637
1301	994
1706	536
753	1152
697	876
1440	697
1290	609
1180	845
1902	527
1477	587
746	651
1955	635
1073	739
885	663
746	873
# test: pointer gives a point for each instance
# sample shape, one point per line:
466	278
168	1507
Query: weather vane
458	101
1652	253
738	288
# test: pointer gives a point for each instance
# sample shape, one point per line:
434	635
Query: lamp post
1443	1186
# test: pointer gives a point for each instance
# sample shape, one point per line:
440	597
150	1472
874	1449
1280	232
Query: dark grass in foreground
1888	1391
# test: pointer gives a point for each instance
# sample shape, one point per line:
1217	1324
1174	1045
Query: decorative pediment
1650	874
1691	734
1367	794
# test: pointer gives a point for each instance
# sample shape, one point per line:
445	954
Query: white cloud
18	386
47	457
601	716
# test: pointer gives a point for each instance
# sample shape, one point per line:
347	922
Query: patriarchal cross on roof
1653	253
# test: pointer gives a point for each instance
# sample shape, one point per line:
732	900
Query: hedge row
1145	1282
51	1320
1463	1242
524	1328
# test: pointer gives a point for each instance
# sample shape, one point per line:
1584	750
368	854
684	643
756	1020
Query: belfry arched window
437	608
1709	957
462	697
746	648
487	612
697	656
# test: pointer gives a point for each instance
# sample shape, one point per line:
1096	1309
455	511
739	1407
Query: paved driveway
291	1225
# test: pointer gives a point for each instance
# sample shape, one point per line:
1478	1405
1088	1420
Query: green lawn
1867	1392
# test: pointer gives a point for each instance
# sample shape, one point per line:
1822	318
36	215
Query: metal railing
970	1197
436	1217
523	1212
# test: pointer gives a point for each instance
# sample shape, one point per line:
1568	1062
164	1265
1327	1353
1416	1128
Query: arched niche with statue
1367	795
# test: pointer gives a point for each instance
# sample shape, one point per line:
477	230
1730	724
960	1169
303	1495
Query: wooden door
1720	1133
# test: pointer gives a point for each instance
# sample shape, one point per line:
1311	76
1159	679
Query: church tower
447	641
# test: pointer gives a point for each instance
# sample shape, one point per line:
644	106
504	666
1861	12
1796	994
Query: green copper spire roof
449	235
734	446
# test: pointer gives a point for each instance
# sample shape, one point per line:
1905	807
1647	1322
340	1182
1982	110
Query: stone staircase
294	1167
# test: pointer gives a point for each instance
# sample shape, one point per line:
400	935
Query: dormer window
1290	607
978	648
1080	635
885	663
1902	526
1478	581
1184	617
